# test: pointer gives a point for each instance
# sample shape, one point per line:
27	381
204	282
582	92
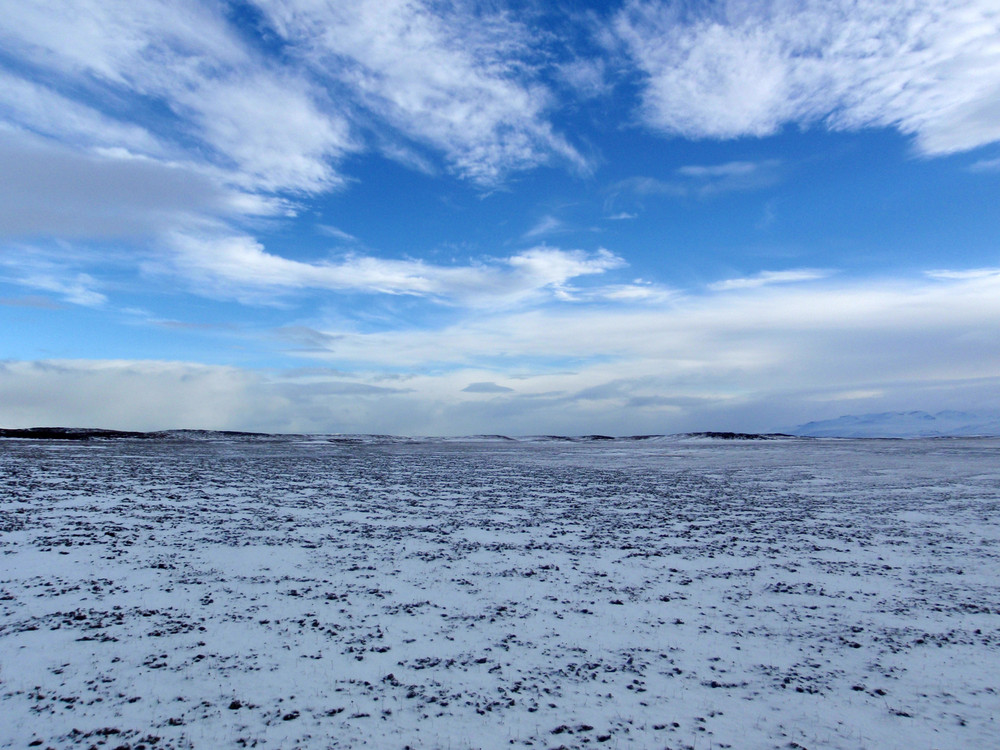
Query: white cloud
239	266
172	99
986	165
57	273
121	41
272	129
77	289
42	110
545	225
737	67
858	395
729	169
970	274
639	291
551	267
265	129
769	277
586	76
441	73
336	233
706	180
703	180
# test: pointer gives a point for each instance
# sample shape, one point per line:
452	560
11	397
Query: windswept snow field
288	593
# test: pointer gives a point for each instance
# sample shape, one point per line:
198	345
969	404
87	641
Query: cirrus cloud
443	74
732	68
239	266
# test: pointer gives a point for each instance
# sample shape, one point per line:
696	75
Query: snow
492	593
909	424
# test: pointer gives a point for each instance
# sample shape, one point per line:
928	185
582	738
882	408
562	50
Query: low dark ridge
90	433
208	433
84	433
69	433
361	439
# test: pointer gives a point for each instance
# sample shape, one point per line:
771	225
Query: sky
513	216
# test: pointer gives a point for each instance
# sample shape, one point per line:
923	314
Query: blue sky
523	217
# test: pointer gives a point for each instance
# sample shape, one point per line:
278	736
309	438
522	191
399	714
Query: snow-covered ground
450	594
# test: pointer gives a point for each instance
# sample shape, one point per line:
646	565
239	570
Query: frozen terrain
695	593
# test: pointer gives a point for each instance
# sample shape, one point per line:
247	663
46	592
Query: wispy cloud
446	75
546	225
736	68
970	274
41	110
588	77
704	180
78	289
307	339
986	165
267	129
53	273
239	266
273	128
336	233
643	186
765	278
486	387
715	171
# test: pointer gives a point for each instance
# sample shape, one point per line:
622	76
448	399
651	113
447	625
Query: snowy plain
307	592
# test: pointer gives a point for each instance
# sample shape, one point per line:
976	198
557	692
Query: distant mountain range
903	424
84	433
893	424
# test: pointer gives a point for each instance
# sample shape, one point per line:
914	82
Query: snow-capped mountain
908	424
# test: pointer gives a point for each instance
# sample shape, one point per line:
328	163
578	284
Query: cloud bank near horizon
796	354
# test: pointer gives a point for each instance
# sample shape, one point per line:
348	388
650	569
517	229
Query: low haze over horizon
444	218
